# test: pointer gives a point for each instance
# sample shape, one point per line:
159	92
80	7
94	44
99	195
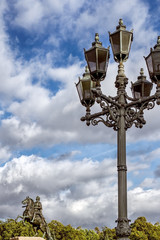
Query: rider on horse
37	209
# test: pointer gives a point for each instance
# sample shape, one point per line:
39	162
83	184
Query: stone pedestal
27	238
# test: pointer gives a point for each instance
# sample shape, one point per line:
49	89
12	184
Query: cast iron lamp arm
110	111
99	95
134	111
142	101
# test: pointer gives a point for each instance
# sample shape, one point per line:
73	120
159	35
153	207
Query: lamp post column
123	228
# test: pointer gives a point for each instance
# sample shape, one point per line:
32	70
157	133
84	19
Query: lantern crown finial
120	21
86	74
121	25
157	46
96	42
142	72
96	37
86	69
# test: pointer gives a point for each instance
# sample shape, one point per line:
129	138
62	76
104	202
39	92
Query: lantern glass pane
149	64
102	60
91	57
156	60
147	90
126	41
137	95
116	42
86	85
80	90
138	91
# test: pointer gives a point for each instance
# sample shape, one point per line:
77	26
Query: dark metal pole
123	228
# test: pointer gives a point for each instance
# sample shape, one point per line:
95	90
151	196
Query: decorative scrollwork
111	114
134	114
111	108
150	105
109	120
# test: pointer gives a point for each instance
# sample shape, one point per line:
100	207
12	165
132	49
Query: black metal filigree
134	114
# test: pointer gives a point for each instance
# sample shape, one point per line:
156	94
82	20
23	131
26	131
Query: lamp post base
123	229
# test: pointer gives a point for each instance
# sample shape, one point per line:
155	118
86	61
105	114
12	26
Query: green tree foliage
11	229
107	234
140	230
68	232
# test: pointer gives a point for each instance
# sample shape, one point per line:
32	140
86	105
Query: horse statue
33	214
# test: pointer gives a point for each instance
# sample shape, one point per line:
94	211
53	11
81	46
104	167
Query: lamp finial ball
120	22
141	71
86	69
96	37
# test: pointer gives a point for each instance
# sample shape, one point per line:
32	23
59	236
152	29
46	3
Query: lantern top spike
157	46
96	37
96	43
142	72
141	77
86	69
121	26
86	74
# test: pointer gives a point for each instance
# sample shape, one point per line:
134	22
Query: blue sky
44	147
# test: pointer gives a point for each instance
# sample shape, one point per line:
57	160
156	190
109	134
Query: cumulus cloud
34	106
76	188
144	203
80	192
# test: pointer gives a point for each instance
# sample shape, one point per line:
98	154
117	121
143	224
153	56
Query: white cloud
29	13
76	188
144	203
77	192
5	154
35	102
84	191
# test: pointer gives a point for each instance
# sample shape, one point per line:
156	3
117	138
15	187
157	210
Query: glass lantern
84	87
153	62
121	41
141	88
97	58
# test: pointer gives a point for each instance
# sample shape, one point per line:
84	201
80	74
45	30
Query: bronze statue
37	209
33	214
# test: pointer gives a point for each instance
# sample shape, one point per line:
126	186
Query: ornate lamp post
119	112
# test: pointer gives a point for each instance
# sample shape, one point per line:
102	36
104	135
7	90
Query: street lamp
121	42
120	112
141	88
97	58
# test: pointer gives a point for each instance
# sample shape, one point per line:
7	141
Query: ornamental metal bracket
109	116
110	113
134	111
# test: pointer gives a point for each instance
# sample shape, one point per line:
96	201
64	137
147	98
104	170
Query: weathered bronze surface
33	214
